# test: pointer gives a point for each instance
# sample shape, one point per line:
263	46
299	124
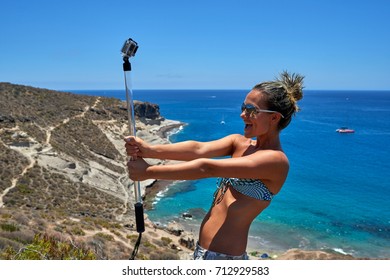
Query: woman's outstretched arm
184	151
269	166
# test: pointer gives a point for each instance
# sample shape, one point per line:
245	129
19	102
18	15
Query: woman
248	179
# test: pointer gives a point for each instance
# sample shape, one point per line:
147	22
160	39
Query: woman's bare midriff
225	227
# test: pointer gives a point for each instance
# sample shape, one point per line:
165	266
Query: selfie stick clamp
129	49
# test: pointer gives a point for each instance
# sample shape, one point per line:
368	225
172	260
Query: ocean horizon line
204	89
63	89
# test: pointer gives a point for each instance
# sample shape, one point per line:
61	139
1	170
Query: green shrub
163	256
44	247
24	189
133	237
148	244
105	236
166	240
77	231
117	233
9	227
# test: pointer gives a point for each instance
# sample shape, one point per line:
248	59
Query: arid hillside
62	172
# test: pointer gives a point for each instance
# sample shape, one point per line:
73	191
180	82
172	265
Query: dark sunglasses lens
248	108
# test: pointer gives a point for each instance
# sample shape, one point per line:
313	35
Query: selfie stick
128	50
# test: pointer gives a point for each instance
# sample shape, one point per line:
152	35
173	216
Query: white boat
345	130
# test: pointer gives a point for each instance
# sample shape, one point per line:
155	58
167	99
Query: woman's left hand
137	169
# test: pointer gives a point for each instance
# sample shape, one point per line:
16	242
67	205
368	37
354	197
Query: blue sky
201	44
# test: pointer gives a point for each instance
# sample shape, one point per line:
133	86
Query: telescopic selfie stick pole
128	50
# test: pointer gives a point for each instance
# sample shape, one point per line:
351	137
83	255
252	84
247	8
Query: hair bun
293	84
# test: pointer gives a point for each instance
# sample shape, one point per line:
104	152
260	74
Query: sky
203	44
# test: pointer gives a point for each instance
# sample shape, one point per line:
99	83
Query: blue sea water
337	192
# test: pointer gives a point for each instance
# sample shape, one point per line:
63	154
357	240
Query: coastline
190	228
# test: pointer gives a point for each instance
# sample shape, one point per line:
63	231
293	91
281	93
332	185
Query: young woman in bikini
247	180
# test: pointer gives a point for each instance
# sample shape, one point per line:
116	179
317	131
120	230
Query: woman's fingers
131	146
137	169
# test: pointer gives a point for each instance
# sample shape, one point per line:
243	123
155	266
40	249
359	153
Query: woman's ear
275	118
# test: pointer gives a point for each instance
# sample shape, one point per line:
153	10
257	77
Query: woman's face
257	123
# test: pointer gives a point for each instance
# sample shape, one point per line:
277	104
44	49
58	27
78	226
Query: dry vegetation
46	208
11	164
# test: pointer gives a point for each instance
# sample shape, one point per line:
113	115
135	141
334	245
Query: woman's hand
137	169
136	147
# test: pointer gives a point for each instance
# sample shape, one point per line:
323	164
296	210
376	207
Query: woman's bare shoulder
239	139
275	156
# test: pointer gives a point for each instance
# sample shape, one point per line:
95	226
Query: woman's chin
248	131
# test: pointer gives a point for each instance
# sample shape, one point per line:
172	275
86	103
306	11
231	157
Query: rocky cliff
62	169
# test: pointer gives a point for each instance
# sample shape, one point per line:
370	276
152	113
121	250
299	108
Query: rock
7	119
186	215
146	110
175	247
175	229
264	256
19	134
187	241
297	254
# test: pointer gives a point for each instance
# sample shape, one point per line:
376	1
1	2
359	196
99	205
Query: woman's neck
268	142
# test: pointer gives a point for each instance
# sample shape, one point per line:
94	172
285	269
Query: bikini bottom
203	254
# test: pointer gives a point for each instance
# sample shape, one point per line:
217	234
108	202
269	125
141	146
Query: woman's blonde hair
282	95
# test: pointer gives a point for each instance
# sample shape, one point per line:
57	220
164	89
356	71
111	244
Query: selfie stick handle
139	210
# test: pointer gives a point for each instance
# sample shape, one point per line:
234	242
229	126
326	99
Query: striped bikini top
254	188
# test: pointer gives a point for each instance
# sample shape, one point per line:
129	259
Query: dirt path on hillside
31	152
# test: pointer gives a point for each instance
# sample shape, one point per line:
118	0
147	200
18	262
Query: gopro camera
129	48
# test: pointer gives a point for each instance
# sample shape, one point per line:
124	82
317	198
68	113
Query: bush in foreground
45	247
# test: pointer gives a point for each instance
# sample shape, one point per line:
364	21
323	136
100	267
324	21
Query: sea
337	194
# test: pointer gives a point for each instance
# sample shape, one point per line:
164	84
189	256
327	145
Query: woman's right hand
136	147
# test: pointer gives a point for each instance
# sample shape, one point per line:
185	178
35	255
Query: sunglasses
251	110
